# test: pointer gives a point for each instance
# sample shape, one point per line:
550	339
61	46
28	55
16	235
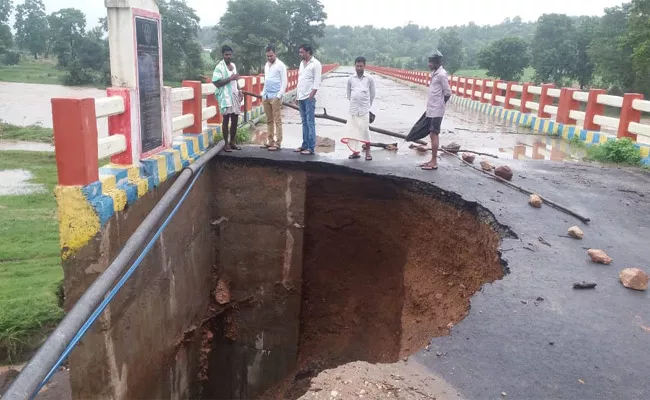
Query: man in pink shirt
437	96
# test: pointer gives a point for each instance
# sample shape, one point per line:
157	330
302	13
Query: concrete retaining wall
144	345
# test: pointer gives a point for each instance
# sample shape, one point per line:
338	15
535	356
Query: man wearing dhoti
361	93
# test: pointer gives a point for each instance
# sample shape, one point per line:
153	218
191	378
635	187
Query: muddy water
16	182
398	106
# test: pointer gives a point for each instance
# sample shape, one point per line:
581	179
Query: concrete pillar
135	42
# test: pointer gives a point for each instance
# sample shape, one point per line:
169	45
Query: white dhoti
358	131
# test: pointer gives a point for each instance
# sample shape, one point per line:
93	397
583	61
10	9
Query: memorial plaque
147	47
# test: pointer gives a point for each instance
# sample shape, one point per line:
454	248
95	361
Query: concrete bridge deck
572	344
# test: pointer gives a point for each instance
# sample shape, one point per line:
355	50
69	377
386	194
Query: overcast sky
367	12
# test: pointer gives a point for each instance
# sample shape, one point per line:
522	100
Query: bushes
10	58
621	151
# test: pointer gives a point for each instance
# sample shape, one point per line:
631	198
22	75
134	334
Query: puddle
14	182
25	146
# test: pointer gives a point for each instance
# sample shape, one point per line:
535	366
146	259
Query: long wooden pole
401	136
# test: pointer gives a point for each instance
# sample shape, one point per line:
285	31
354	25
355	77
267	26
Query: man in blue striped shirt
275	85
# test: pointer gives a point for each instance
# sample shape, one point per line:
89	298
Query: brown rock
504	172
576	232
599	256
634	278
467	157
486	166
535	201
222	292
452	147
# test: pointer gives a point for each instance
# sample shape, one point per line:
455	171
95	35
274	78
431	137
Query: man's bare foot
429	166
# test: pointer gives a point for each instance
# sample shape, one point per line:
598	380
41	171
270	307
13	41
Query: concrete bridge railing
565	112
89	195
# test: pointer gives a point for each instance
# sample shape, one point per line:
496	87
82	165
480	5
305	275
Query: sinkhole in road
387	264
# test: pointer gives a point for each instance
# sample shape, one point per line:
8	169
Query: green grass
32	133
620	151
30	266
482	73
41	71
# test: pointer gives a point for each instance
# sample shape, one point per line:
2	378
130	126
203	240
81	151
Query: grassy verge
41	71
30	269
32	133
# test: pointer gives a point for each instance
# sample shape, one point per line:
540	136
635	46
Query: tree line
611	51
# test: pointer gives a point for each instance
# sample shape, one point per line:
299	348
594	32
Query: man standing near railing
309	76
228	96
275	85
437	96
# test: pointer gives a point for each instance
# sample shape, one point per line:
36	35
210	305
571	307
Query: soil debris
379	381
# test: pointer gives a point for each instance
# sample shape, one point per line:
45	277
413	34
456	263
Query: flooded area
16	182
25	146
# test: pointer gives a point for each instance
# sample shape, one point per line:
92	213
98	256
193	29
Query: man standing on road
275	84
228	96
309	75
437	96
361	93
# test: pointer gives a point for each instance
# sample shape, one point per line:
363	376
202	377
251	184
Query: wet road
398	107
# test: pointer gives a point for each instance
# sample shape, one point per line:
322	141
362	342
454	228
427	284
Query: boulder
503	172
486	166
576	232
599	256
535	201
634	278
467	157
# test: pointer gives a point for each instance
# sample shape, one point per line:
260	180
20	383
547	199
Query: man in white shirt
361	93
275	85
309	76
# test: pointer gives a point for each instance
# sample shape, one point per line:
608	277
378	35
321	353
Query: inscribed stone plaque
147	45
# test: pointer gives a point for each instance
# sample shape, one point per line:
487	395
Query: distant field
41	71
482	73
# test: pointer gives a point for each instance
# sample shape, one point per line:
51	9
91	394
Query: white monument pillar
135	41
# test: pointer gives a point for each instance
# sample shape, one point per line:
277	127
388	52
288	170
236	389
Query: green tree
638	38
248	26
585	35
306	23
31	27
610	52
6	7
6	38
554	48
505	58
182	54
451	47
67	29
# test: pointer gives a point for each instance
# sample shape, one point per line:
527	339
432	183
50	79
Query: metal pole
38	367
